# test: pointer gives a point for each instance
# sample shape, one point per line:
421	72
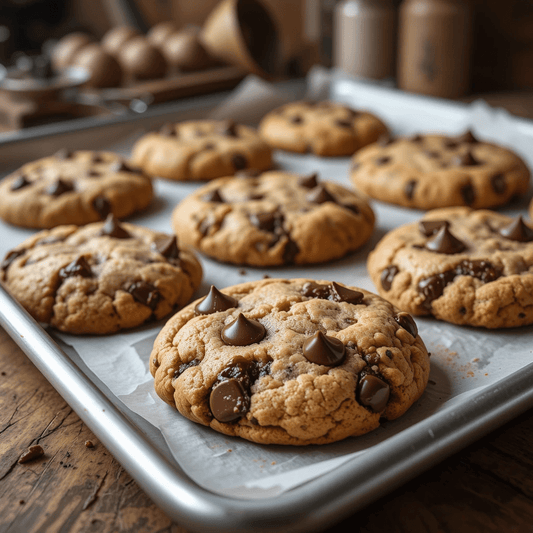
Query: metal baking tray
309	507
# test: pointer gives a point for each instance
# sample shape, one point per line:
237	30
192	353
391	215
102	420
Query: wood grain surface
488	487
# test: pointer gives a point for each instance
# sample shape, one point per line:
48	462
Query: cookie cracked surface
462	266
73	188
432	171
201	150
100	278
318	361
274	218
322	128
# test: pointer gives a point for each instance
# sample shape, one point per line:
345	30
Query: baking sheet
464	361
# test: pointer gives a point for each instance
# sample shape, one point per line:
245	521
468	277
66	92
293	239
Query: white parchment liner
463	359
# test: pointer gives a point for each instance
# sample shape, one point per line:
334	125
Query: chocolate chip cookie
462	266
100	278
275	218
290	361
322	128
73	188
430	171
201	150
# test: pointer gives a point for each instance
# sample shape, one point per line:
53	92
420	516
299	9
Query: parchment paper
463	359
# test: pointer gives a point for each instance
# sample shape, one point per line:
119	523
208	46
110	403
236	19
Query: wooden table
487	487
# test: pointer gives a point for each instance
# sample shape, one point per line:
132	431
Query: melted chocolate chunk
465	160
228	401
499	186
344	123
78	267
407	322
324	350
387	276
430	227
145	293
168	130
243	332
517	230
296	119
468	193
121	166
229	129
102	206
315	290
63	154
112	228
343	294
168	247
320	195
267	221
185	366
309	182
239	162
19	183
409	189
291	251
416	138
10	257
59	187
382	160
444	242
214	302
213	196
373	393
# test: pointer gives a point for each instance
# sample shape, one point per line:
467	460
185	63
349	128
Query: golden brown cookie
462	266
290	361
274	218
73	188
430	171
201	150
100	278
322	128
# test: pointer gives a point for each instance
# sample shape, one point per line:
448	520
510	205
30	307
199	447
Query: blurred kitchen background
157	50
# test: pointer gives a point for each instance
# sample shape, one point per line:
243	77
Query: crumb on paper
266	276
273	463
242	272
475	360
229	450
32	453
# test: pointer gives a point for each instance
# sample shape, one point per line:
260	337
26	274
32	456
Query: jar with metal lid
364	38
434	47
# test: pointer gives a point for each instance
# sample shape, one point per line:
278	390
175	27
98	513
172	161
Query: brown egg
184	51
142	61
114	40
159	33
103	68
67	47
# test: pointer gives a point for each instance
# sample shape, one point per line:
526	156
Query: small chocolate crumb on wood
89	444
33	452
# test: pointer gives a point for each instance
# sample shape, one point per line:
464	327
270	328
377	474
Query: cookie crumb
242	272
475	360
33	452
21	502
230	450
89	444
273	463
266	276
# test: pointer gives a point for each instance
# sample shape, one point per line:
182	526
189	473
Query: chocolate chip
209	146
93	174
10	257
352	207
444	242
59	187
517	230
387	276
213	196
324	350
97	158
407	322
78	267
385	140
63	154
409	189
468	193
309	182
465	160
239	162
215	302
382	160
102	206
168	130
256	196
296	119
228	401
312	289
145	293
467	137
343	123
373	393
34	452
20	182
433	287
320	195
112	228
343	294
243	332
168	247
229	129
451	143
430	227
266	221
499	186
290	252
521	315
184	366
482	270
121	166
416	138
